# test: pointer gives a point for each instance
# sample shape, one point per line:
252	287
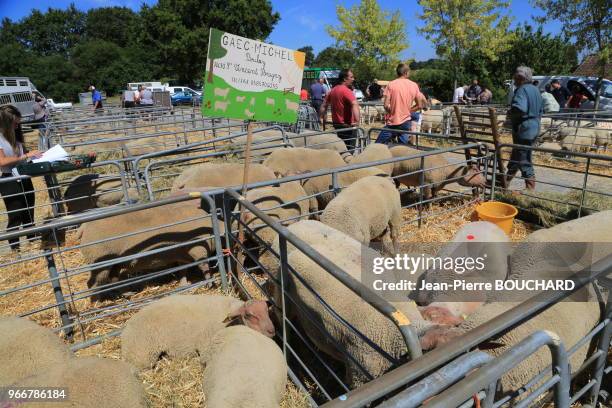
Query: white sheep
570	320
27	349
270	101
252	363
284	162
321	186
375	152
90	382
348	255
220	175
366	210
154	236
584	139
177	326
284	203
312	140
556	249
480	239
442	172
240	98
89	191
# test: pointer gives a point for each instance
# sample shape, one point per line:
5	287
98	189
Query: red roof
590	67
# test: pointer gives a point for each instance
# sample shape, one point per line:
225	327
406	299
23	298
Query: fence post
59	296
584	186
602	348
284	277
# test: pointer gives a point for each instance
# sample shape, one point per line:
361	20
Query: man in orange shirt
398	98
344	108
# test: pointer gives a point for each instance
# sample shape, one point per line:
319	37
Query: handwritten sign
248	79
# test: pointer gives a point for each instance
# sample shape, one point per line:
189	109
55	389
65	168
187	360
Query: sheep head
253	314
473	177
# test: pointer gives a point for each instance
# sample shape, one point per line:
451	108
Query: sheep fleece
366	209
375	152
175	326
220	175
252	363
346	253
570	320
91	382
27	348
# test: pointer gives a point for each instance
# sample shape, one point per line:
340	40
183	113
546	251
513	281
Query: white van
153	86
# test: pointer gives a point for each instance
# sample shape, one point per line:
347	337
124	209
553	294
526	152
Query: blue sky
302	22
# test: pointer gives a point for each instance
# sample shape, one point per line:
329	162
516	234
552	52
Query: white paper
55	153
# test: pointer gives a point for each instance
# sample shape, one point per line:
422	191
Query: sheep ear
230	319
233	315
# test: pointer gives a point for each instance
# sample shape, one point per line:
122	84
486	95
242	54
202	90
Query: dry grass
442	228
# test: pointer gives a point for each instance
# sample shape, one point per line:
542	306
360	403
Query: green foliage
53	32
589	22
309	55
334	57
375	38
64	51
458	27
177	30
545	53
118	25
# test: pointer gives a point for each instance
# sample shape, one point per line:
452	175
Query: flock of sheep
231	337
340	226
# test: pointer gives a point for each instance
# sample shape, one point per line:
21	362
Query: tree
53	32
118	25
544	53
333	57
590	23
215	50
309	55
458	27
177	31
375	37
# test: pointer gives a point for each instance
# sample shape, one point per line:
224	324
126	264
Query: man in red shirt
344	108
398	99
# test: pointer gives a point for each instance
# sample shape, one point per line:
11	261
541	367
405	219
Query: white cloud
309	22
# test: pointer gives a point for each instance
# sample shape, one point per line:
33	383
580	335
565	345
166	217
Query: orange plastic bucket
498	213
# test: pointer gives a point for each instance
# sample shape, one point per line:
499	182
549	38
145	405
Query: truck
152	85
19	92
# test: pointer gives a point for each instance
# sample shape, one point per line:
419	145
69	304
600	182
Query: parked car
358	94
55	106
177	89
180	98
586	84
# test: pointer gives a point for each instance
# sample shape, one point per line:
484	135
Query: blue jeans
520	159
385	137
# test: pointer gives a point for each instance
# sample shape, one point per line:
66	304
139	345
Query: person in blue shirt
96	98
317	95
525	114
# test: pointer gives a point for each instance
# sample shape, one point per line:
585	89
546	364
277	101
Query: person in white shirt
18	195
129	98
459	93
146	97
